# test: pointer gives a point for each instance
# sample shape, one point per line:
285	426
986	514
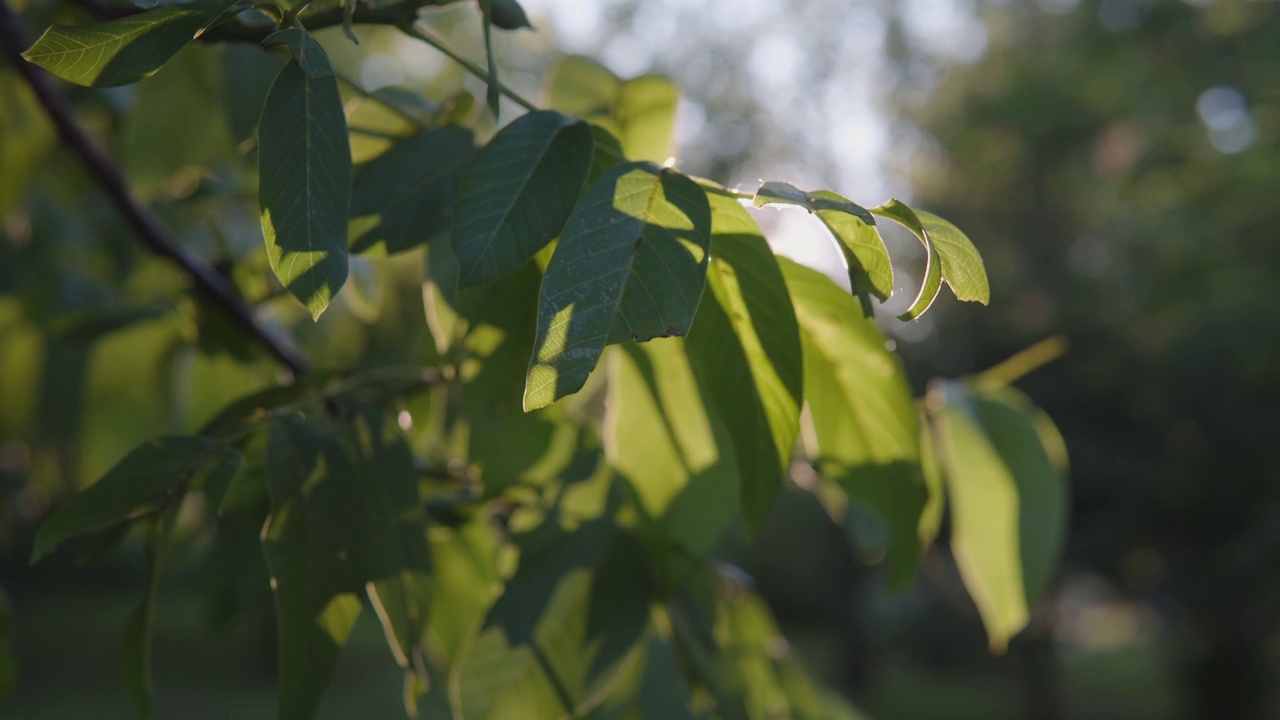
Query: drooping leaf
566	628
146	480
745	349
639	112
863	414
126	50
631	264
962	266
304	167
898	211
135	652
853	227
312	546
397	557
1008	501
404	196
518	193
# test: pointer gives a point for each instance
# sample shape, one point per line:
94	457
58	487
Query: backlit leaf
518	193
631	264
564	632
304	167
853	227
898	212
639	112
745	348
1007	497
962	266
863	414
126	50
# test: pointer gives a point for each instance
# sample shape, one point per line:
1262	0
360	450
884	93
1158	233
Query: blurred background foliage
1116	161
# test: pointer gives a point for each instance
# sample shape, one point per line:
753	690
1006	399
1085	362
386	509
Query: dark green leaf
312	546
146	480
304	170
745	347
404	196
631	264
136	648
898	212
517	194
508	15
565	630
863	414
397	558
126	50
870	271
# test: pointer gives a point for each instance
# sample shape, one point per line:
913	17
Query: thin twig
413	31
143	222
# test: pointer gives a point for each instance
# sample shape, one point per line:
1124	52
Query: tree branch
143	222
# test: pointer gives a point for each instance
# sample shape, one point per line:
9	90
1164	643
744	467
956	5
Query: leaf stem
413	31
145	225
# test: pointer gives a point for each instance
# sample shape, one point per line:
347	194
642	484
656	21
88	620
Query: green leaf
961	265
146	480
312	545
126	50
397	557
518	193
863	414
631	264
183	97
1008	500
639	112
304	169
565	630
508	15
745	348
852	226
405	195
494	94
665	439
898	212
136	647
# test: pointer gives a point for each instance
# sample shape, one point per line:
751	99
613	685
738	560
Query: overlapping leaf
126	50
1007	496
304	168
863	415
631	264
563	633
745	349
898	212
517	194
404	196
146	480
312	545
853	227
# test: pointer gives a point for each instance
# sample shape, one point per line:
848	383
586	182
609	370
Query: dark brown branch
143	222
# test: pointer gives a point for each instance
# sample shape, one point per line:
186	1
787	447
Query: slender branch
413	31
144	223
